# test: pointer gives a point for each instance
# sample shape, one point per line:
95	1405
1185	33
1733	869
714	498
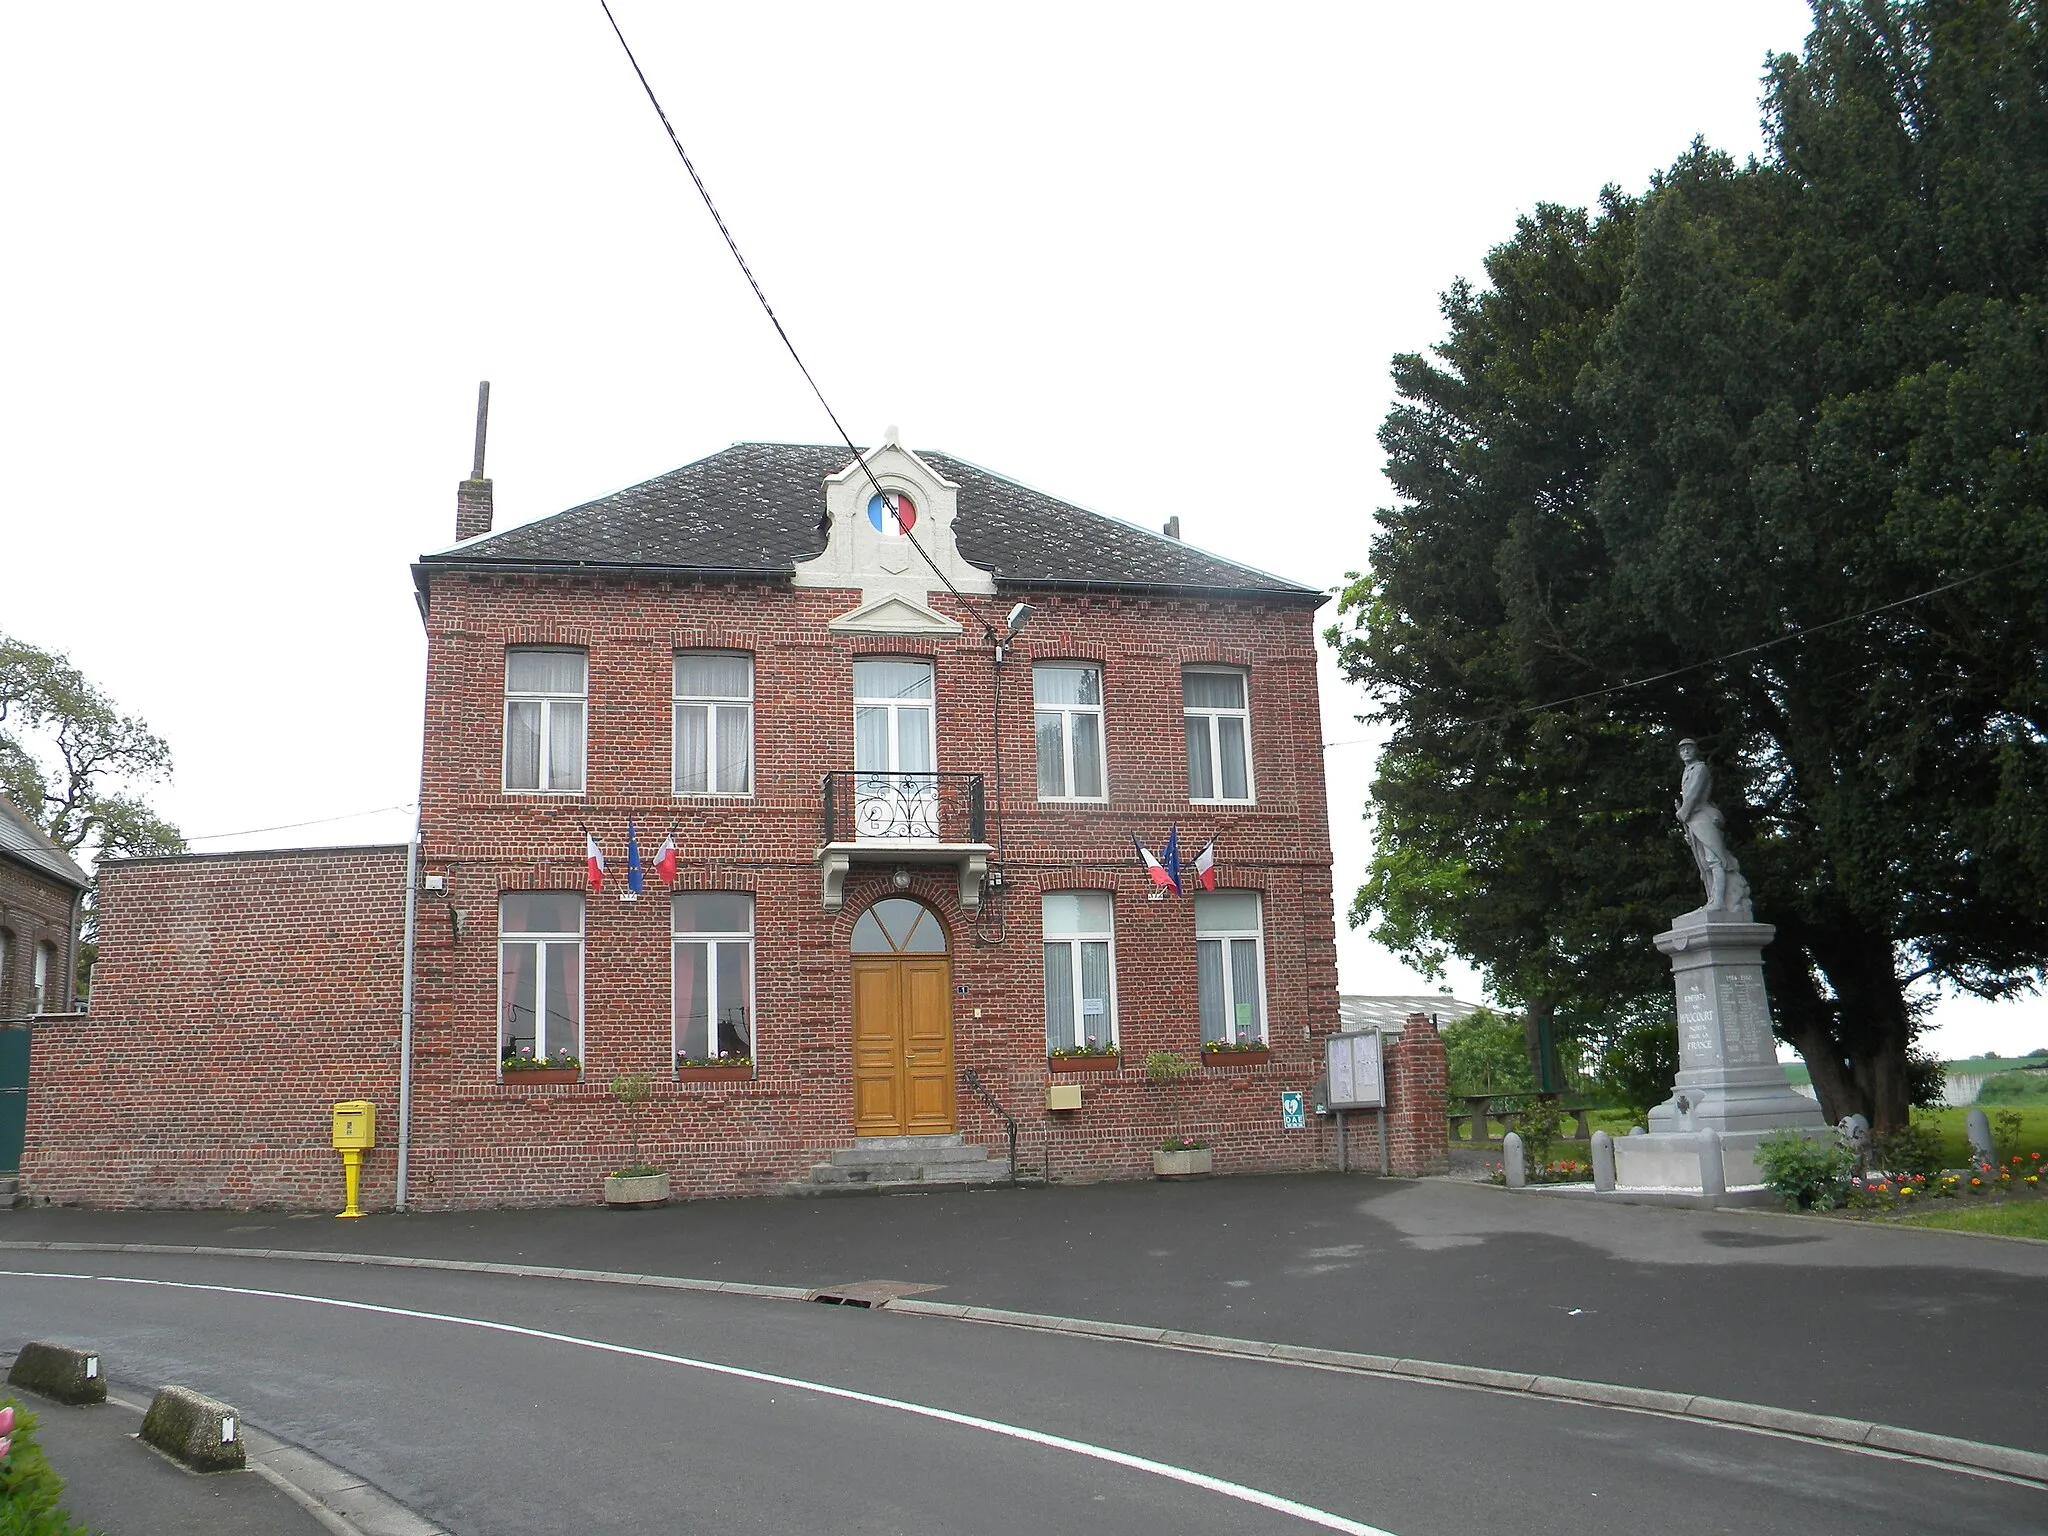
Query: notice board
1356	1081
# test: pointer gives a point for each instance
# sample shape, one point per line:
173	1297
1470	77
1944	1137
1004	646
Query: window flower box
1216	1053
1069	1059
714	1069
525	1069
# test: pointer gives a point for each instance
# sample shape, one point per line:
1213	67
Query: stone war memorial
1731	1090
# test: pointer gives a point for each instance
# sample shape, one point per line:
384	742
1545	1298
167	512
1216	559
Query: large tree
1728	436
73	763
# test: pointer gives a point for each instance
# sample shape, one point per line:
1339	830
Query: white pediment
894	616
890	560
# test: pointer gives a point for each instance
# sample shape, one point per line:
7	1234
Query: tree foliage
69	758
1727	437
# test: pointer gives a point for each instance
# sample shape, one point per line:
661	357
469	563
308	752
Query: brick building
900	721
41	887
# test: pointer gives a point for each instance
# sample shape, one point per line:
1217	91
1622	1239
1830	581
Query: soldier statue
1727	890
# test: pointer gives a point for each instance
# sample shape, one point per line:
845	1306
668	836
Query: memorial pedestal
1729	1077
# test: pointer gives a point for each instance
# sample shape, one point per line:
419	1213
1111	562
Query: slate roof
756	509
26	843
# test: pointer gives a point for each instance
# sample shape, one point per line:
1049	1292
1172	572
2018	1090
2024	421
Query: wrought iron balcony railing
904	807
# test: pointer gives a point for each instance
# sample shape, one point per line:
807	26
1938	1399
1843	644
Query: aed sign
1356	1081
1291	1112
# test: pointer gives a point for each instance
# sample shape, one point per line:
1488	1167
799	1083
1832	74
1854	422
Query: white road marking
1193	1479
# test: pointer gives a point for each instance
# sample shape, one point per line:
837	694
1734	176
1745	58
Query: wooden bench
1470	1124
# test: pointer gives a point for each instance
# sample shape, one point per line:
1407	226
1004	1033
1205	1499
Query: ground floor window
1230	965
714	977
1080	971
540	975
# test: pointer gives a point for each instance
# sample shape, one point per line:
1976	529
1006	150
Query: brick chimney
473	496
1172	528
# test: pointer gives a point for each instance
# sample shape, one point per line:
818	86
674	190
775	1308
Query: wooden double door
902	1023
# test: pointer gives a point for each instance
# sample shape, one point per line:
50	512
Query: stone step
907	1143
829	1178
981	1171
865	1155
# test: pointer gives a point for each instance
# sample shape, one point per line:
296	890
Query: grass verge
2018	1219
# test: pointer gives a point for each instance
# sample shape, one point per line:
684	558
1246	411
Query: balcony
904	819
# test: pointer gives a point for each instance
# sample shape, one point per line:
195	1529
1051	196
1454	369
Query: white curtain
693	748
1209	988
1059	996
565	746
522	745
735	750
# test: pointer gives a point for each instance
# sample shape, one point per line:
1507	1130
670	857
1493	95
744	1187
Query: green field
2028	1219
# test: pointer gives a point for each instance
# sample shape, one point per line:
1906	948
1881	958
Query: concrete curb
339	1500
1974	1456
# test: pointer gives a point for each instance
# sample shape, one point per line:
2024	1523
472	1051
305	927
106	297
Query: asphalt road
1932	1331
628	1417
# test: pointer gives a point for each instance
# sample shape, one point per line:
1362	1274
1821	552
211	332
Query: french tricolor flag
1205	866
1165	873
594	857
665	860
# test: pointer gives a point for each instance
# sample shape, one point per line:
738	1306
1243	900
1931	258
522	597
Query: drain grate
870	1293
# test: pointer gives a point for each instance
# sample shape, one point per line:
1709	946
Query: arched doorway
902	1022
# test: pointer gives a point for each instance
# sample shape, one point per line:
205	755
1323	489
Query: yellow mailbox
355	1132
355	1124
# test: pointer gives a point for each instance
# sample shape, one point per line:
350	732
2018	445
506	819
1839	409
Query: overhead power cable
1715	661
292	826
769	310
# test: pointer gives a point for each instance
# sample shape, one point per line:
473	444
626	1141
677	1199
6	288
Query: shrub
30	1486
1539	1125
1813	1173
1484	1052
1914	1148
2014	1087
2007	1126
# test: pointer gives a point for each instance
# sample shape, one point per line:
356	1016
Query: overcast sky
1151	259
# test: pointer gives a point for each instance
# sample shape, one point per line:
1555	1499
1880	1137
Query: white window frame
711	704
547	703
1210	715
39	977
541	939
1225	937
1074	941
1066	712
711	939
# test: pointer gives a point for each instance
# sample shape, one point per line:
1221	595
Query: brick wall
235	999
1418	1082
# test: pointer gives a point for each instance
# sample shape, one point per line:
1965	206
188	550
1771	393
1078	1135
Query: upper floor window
1068	696
1080	970
1230	966
892	716
540	974
714	723
1219	727
45	962
544	707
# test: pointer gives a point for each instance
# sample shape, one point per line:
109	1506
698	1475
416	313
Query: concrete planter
1190	1164
623	1193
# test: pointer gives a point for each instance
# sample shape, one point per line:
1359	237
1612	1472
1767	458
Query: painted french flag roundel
892	513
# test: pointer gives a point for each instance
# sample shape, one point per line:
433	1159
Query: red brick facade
234	1000
252	992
